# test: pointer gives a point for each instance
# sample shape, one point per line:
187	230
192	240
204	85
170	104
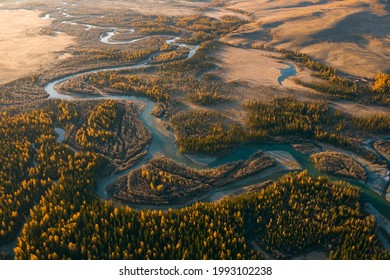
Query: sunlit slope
353	36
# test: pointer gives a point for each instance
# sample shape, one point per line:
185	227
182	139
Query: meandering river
164	143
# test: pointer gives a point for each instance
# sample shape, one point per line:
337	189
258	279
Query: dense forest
109	128
33	161
162	181
295	214
53	192
339	164
206	132
48	200
211	132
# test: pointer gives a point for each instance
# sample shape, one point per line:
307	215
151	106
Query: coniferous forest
49	197
189	133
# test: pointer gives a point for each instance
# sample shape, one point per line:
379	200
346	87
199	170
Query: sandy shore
24	47
306	148
203	160
162	126
286	159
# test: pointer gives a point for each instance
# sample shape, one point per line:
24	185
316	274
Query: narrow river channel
165	144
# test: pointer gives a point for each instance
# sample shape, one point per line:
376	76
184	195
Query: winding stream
164	143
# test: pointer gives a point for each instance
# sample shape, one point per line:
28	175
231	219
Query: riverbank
382	222
166	145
